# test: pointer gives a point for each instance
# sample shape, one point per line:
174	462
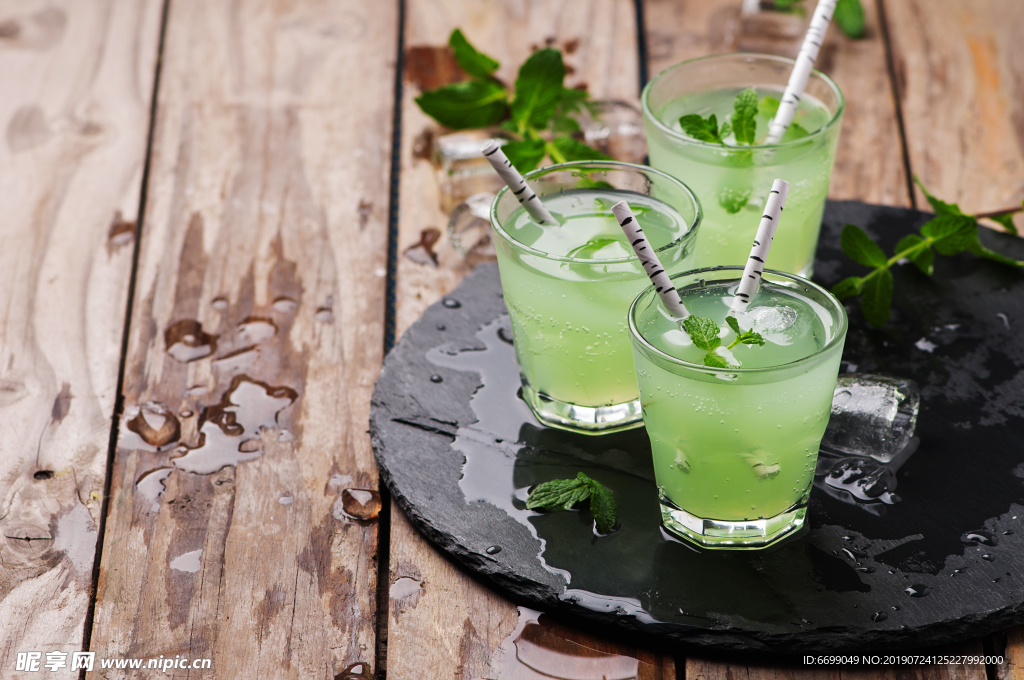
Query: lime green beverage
731	181
735	448
568	287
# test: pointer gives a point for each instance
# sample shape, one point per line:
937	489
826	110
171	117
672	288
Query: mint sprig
563	494
950	232
744	116
849	15
538	116
706	335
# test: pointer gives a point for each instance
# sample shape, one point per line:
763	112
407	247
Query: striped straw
801	70
649	259
762	244
516	184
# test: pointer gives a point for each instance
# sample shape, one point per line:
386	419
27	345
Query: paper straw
516	184
762	244
801	71
649	259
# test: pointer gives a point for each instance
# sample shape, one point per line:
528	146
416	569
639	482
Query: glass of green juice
735	448
732	181
568	287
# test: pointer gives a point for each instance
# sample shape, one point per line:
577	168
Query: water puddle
357	504
186	341
189	562
153	425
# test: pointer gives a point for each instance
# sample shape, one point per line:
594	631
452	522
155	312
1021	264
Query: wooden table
177	169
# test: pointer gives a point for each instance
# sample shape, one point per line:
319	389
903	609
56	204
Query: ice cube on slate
872	415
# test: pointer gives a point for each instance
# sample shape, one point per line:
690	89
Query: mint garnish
563	494
705	334
950	232
744	116
704	129
743	338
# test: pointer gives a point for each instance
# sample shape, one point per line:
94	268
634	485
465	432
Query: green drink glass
735	448
568	287
732	181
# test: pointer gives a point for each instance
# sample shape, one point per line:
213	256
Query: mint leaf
471	104
877	297
525	155
981	251
744	117
794	132
940	207
715	360
952	233
859	247
701	129
923	258
538	88
848	287
733	324
559	494
602	506
732	201
747	338
1006	221
768	106
850	16
704	332
474	63
574	150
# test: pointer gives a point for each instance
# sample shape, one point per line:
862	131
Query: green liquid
732	184
739	446
568	315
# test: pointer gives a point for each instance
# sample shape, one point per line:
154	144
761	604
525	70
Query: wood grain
869	161
960	78
263	261
450	626
76	82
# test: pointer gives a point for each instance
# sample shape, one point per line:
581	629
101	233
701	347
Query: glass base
582	419
730	535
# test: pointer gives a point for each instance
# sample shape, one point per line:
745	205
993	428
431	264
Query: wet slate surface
459	451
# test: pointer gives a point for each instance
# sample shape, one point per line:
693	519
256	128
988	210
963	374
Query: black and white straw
649	259
516	184
762	244
801	70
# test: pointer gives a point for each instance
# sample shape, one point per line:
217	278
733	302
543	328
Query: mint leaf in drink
743	337
733	200
794	132
563	494
715	360
847	287
704	332
525	155
876	297
849	15
914	248
538	89
859	247
474	63
768	106
571	149
701	129
559	494
744	117
602	506
470	104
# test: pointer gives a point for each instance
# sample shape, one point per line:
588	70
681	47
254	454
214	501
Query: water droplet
152	484
361	503
918	590
878	617
1008	532
284	304
256	329
324	315
219	303
493	550
405	587
186	341
451	303
436	378
356	671
155	424
250	446
442	327
286	499
185	414
505	335
189	562
988	558
979	537
866	570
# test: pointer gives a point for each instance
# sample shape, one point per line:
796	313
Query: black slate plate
459	451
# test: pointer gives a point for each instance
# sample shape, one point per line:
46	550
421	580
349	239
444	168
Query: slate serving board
459	451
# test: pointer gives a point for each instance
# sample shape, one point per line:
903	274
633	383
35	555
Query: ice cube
773	319
469	229
872	415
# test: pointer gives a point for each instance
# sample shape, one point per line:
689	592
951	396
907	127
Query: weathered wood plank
76	83
961	80
869	161
449	626
258	330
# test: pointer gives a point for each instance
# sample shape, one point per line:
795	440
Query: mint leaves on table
950	232
705	335
563	494
538	117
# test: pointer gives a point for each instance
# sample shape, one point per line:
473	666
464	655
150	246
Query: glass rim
698	213
840	333
649	115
